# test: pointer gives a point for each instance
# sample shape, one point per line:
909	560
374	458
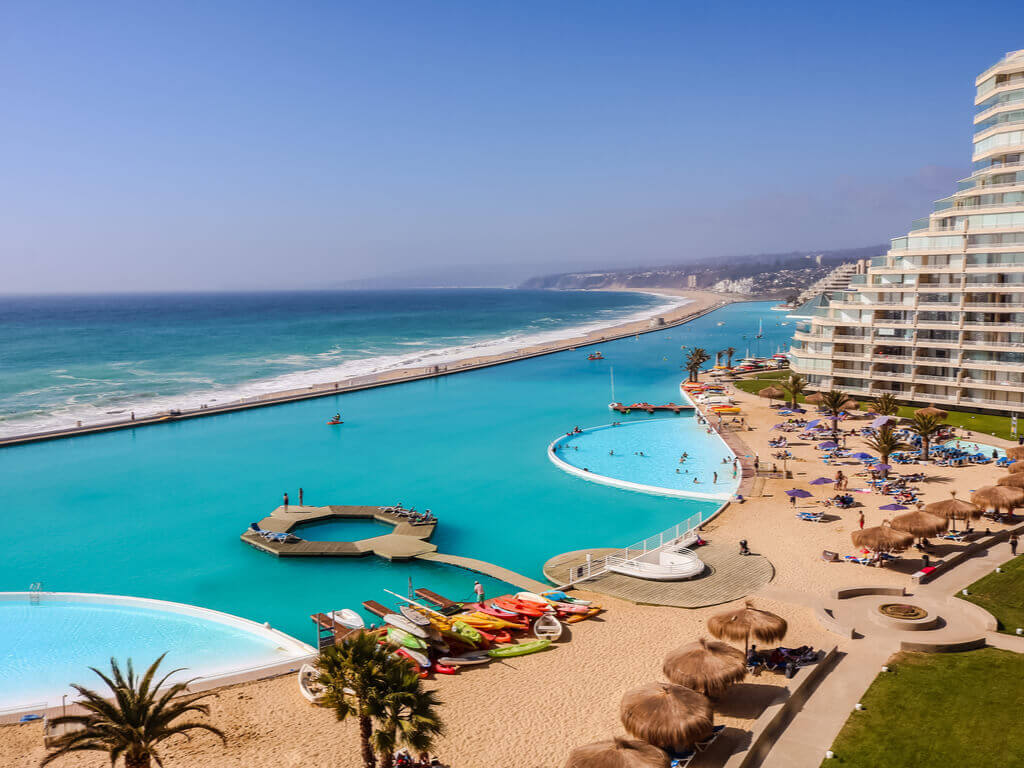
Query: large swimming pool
157	512
50	641
648	456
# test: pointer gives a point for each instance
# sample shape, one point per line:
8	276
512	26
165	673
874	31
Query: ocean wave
90	408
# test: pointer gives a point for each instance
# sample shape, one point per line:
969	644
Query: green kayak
518	650
398	636
463	630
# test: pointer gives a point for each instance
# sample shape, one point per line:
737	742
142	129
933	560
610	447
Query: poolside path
731	577
488	569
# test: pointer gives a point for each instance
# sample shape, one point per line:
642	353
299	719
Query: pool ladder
35	591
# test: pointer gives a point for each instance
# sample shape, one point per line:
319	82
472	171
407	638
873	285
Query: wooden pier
407	540
650	408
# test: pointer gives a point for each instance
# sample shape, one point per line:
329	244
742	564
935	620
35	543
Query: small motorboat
405	625
595	356
348	618
309	684
547	628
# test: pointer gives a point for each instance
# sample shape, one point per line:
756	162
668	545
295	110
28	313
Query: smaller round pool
338	529
972	447
49	640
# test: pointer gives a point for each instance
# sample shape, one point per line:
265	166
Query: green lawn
945	710
1002	595
976	422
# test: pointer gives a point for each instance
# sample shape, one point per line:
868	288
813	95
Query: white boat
719	323
676	563
760	330
309	684
405	625
547	627
348	618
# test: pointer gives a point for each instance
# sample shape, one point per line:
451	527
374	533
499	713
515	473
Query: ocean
95	358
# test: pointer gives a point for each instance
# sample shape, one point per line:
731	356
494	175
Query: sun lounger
702	745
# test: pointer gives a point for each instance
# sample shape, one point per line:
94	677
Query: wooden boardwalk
730	576
488	569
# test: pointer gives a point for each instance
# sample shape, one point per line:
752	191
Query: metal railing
669	537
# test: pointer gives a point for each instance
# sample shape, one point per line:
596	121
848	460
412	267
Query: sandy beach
697	303
569	695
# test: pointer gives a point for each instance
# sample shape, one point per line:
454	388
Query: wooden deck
406	540
730	577
488	569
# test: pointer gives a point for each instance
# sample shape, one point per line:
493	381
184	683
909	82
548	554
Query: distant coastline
694	304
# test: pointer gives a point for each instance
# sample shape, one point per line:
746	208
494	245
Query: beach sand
530	711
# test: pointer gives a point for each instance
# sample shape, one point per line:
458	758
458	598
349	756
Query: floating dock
650	408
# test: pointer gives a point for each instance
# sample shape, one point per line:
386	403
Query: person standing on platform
286	502
300	497
478	590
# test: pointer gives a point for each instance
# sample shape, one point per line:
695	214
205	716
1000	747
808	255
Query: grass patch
1002	595
942	709
983	423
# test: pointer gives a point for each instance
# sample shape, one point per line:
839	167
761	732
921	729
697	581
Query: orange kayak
521	607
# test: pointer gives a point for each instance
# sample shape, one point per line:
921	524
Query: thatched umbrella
953	509
1015	452
1014	480
771	392
816	399
706	666
851	405
666	715
1017	466
998	497
931	410
920	523
882	538
741	623
618	753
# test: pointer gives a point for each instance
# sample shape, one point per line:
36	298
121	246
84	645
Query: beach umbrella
666	715
822	481
618	753
882	538
863	456
893	507
881	421
998	497
953	509
798	493
1016	480
931	410
746	622
771	392
881	467
920	523
828	445
814	399
706	666
1015	452
812	424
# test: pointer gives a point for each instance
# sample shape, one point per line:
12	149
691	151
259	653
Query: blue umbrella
881	421
827	445
881	467
814	423
798	493
893	507
863	456
822	481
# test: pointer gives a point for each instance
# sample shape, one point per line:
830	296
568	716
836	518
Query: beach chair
702	745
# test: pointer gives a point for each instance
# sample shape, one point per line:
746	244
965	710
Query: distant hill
769	275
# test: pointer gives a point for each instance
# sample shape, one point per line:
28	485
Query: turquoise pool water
974	447
648	453
48	645
158	511
342	530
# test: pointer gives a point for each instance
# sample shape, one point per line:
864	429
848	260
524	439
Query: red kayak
520	606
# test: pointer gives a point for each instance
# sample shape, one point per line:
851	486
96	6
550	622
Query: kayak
493	610
520	606
547	628
404	624
561	597
414	656
495	622
400	637
414	616
518	650
444	669
581	616
335	422
466	659
463	630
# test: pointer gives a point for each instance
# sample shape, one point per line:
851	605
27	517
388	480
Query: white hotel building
940	318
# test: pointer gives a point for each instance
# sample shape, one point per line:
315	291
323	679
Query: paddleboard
414	616
404	624
466	659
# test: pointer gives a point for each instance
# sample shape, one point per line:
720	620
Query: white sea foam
95	408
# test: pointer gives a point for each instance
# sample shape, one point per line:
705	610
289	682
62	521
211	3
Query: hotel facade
940	317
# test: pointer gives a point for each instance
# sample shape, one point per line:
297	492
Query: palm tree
926	426
132	719
404	711
885	404
793	387
833	401
885	442
729	352
349	673
697	357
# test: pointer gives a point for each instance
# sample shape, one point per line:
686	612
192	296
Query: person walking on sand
478	590
286	502
1013	544
860	521
300	497
715	479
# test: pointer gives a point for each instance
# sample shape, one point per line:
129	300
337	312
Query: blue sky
251	145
